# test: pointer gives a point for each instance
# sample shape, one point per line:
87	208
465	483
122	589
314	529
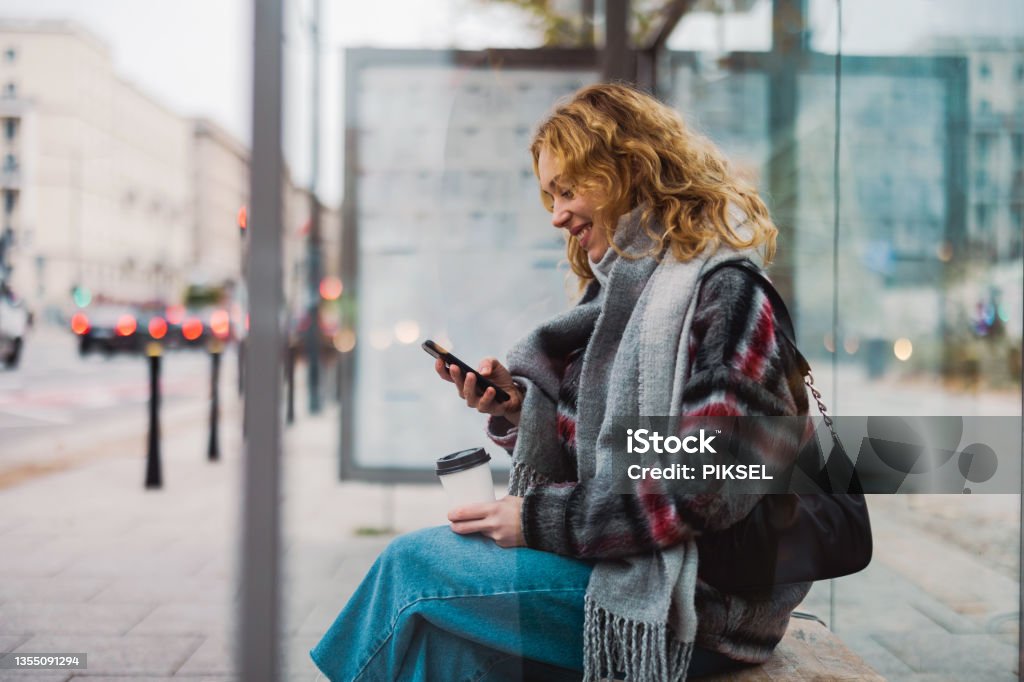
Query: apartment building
106	189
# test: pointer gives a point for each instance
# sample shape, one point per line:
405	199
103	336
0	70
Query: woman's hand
486	403
500	521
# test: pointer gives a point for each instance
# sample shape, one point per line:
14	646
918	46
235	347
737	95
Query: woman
567	577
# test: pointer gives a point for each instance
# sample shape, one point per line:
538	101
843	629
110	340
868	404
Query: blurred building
996	128
94	193
989	294
107	190
220	187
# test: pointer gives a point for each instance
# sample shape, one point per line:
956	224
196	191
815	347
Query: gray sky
194	55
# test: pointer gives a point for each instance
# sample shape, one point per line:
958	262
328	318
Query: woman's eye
567	194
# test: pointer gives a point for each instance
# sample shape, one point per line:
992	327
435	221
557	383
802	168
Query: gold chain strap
809	380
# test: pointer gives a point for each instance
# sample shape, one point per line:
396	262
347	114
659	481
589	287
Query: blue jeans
442	607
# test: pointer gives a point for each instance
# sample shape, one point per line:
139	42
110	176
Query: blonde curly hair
627	149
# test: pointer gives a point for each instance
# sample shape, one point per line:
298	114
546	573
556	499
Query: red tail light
157	328
79	323
192	329
126	325
220	323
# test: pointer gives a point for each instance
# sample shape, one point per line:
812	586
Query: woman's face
571	211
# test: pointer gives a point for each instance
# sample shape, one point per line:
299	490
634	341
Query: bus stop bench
809	651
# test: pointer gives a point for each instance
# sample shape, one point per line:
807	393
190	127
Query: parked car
15	321
112	328
200	326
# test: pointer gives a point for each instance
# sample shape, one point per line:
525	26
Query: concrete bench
809	651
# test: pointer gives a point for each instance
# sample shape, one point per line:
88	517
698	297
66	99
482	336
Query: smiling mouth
582	234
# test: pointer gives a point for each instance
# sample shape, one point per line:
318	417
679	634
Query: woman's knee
425	546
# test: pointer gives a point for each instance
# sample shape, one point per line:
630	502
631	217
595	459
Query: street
57	402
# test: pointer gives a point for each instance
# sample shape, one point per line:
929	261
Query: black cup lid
462	460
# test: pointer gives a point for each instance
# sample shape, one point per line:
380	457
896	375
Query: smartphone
482	383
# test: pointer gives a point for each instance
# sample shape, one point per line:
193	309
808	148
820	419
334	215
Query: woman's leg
457	608
432	650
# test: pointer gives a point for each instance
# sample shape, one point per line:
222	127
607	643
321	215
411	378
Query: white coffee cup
466	477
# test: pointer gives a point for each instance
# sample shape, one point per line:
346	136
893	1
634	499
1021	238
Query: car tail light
126	325
79	323
192	329
158	327
220	323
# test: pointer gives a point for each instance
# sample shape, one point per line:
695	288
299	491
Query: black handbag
820	532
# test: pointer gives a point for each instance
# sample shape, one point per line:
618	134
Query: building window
984	70
10	163
984	106
983	145
10	201
10	128
1020	72
10	91
10	54
981	217
1017	141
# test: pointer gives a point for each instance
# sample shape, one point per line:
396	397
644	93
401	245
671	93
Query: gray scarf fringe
643	651
522	477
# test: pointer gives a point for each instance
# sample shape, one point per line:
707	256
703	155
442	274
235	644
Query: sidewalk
144	582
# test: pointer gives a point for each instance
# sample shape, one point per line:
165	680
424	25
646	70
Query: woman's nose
560	217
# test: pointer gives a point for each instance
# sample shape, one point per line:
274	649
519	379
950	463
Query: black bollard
213	451
154	479
289	368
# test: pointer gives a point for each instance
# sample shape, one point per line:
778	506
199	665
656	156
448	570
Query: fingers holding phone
499	376
442	371
480	389
489	389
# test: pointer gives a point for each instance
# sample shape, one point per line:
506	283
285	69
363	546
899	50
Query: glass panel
928	277
447	212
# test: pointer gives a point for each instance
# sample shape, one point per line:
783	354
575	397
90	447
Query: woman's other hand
485	402
500	521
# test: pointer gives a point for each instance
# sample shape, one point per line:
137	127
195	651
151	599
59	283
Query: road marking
45	416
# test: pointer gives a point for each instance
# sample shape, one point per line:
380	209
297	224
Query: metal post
337	377
241	365
1020	550
154	478
349	258
213	451
313	243
257	657
587	10
289	370
618	62
651	59
789	31
789	48
243	222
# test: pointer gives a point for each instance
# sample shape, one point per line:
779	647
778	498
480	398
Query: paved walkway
144	581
